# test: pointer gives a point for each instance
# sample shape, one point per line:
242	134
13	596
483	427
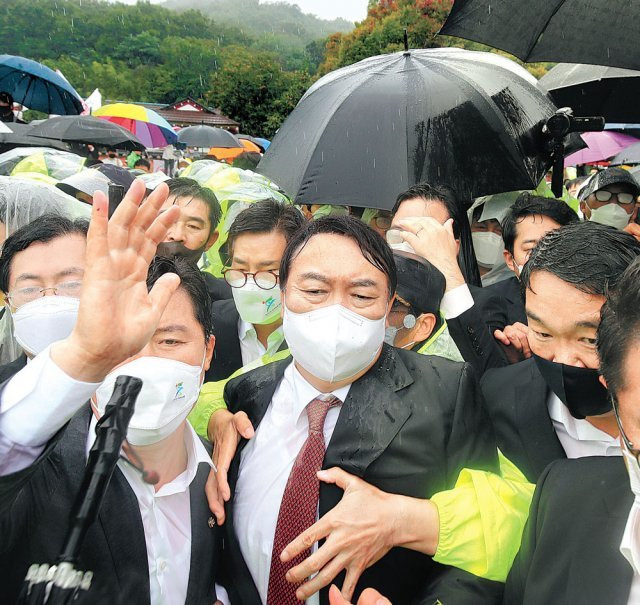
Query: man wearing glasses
609	198
41	278
249	326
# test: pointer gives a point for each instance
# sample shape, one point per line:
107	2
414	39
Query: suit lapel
535	428
121	522
202	570
606	576
371	415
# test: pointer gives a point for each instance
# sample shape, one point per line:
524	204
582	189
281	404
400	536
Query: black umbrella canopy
14	135
366	132
87	129
574	31
595	90
207	136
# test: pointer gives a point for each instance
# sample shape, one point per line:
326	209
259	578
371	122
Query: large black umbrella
207	136
88	130
575	31
610	92
364	133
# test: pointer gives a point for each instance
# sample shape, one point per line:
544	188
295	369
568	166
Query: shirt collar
630	545
246	331
580	430
304	393
196	455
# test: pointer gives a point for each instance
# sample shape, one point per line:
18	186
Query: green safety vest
441	343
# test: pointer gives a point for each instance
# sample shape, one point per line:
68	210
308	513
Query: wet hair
43	229
191	281
461	228
589	256
526	205
266	216
619	327
190	188
142	162
373	247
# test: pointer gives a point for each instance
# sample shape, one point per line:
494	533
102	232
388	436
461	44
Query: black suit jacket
9	369
34	512
227	355
472	331
570	549
408	426
218	288
516	398
508	290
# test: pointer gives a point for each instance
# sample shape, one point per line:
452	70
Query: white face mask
257	306
43	321
169	390
612	215
390	334
403	247
488	247
333	343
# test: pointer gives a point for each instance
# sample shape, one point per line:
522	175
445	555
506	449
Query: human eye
589	341
542	335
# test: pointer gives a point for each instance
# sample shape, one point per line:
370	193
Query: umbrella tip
406	42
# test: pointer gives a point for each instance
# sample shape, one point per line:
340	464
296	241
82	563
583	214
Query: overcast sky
352	10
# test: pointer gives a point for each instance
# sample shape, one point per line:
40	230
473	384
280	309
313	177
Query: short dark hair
43	229
373	247
182	187
461	227
527	204
589	256
266	216
619	327
191	281
142	162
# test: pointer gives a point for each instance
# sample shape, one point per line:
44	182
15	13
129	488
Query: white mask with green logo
257	306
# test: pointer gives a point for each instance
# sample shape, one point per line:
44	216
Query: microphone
150	477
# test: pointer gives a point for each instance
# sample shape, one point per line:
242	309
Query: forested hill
281	22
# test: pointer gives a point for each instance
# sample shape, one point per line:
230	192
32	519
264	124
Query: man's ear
208	356
586	211
213	238
510	261
424	327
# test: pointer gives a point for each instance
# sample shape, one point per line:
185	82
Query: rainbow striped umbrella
152	129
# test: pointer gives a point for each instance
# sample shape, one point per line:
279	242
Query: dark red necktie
299	503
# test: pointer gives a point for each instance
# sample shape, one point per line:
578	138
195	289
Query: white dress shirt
630	549
265	465
251	348
37	402
580	438
455	302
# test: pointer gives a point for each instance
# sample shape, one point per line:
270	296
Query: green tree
255	90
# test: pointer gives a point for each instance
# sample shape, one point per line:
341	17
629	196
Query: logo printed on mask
269	303
179	391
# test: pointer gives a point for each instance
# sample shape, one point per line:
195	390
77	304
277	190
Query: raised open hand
117	316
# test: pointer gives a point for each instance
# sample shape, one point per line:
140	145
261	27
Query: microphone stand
61	583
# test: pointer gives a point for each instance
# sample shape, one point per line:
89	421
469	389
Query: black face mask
578	388
171	249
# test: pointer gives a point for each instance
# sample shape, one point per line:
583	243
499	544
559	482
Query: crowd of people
432	404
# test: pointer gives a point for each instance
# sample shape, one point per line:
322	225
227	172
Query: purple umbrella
600	146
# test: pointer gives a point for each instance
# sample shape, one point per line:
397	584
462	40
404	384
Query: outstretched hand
117	315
